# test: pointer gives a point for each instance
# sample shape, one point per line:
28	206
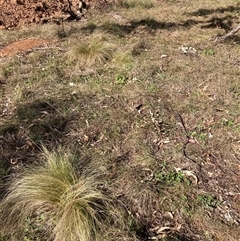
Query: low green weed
170	177
208	200
121	79
208	52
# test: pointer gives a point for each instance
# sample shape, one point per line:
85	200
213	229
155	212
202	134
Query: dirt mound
15	13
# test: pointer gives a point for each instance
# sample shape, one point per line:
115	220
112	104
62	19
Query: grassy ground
143	93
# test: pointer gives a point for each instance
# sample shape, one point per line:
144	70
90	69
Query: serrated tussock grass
92	51
145	4
74	208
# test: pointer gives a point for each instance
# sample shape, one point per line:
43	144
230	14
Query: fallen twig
231	33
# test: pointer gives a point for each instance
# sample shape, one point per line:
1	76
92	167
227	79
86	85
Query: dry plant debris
153	104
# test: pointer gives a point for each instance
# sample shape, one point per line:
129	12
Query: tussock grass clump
90	52
73	207
136	3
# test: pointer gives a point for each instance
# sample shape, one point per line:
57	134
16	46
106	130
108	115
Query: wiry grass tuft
91	52
122	60
146	4
73	207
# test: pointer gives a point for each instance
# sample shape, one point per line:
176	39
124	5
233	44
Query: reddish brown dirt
21	46
16	13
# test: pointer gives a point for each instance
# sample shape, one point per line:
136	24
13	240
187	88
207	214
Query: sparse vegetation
145	107
133	4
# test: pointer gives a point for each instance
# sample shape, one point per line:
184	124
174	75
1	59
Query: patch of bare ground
17	13
149	99
22	46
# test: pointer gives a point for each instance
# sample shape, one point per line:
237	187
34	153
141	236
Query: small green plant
208	200
33	228
121	79
152	88
227	122
170	177
208	52
199	135
8	71
53	200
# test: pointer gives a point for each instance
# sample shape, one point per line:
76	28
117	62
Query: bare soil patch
21	46
15	13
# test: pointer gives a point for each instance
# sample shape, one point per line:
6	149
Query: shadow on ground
33	125
224	20
205	12
150	24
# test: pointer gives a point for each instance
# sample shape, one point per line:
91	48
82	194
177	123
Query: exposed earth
21	46
15	13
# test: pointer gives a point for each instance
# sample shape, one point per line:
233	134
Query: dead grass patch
117	99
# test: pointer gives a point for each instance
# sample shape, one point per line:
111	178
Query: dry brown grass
93	51
122	113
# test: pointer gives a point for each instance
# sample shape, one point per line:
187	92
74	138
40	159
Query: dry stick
181	122
179	119
223	38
